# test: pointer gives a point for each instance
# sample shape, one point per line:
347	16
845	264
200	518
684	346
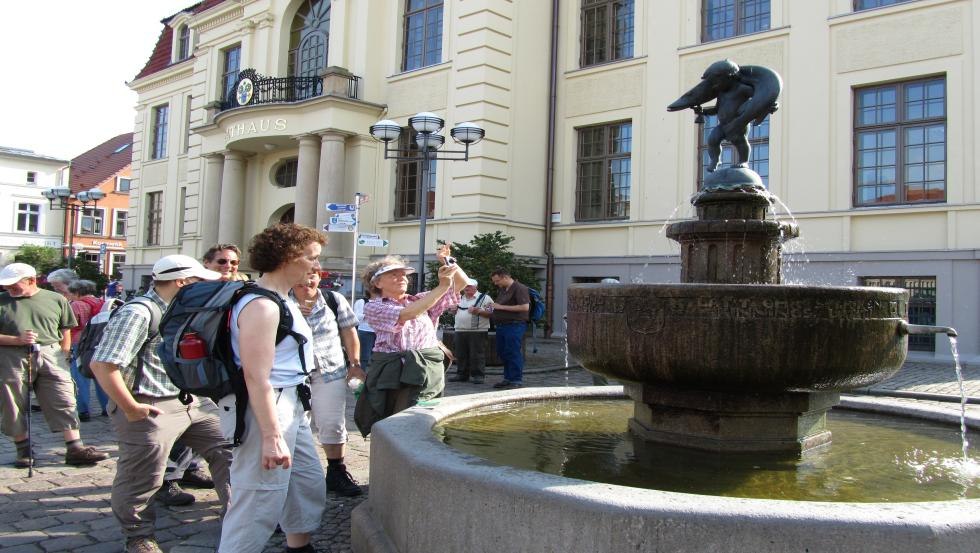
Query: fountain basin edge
427	496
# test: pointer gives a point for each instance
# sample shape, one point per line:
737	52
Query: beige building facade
873	149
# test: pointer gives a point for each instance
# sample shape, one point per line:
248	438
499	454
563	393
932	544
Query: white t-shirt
359	311
466	322
287	369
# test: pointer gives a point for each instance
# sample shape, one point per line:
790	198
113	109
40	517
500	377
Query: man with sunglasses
224	258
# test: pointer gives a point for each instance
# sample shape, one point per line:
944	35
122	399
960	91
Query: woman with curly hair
277	474
406	364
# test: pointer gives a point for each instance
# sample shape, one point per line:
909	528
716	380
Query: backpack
92	335
196	348
535	311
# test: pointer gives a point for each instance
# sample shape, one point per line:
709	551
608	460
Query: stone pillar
306	180
210	199
330	187
231	217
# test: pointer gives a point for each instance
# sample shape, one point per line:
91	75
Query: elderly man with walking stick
31	316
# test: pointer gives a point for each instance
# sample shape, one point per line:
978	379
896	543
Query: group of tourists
273	478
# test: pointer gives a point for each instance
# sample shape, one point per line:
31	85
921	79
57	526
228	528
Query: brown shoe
81	456
143	544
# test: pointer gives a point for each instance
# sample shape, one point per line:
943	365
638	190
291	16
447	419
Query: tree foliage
484	253
45	259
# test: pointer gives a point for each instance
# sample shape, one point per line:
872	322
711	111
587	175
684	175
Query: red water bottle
191	346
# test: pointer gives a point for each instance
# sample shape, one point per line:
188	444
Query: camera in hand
450	260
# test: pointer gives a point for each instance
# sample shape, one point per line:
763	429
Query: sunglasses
227	261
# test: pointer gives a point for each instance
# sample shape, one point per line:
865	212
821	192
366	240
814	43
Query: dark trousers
471	357
509	338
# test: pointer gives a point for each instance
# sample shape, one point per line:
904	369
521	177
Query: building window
607	31
229	74
922	304
309	39
183	43
117	260
91	220
729	18
604	172
423	33
28	217
123	184
160	116
900	143
91	257
285	175
154	218
871	4
758	140
119	223
408	180
32	177
187	124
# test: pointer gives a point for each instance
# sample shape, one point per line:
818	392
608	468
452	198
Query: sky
64	65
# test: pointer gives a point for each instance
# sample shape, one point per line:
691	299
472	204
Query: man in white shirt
472	326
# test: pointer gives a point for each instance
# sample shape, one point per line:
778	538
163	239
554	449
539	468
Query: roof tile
93	167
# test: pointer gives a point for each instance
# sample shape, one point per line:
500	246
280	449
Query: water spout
907	328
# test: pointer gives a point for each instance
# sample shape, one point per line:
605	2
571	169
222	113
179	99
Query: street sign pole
353	267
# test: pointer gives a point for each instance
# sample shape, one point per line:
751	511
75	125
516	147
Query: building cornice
217	16
172	74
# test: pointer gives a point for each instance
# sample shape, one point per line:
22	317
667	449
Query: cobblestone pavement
67	508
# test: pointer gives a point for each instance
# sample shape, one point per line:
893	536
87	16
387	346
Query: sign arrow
341	207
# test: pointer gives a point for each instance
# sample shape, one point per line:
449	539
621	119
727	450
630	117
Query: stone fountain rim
413	430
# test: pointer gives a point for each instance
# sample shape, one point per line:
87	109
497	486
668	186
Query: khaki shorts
53	387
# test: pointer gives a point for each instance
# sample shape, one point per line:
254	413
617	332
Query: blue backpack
536	310
201	312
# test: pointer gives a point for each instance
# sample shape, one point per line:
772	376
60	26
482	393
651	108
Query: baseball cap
392	267
177	266
14	272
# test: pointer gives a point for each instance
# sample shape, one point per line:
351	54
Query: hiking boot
507	384
24	462
142	544
86	455
197	478
341	482
171	495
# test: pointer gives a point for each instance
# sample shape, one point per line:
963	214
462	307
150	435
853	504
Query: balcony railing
252	89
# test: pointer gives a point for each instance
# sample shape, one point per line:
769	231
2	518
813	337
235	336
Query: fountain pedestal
790	422
730	360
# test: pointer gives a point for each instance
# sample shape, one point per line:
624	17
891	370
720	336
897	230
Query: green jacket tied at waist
421	369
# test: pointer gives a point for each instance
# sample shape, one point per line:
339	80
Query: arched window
308	39
285	173
183	42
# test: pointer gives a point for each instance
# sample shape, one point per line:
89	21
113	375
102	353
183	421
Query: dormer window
183	43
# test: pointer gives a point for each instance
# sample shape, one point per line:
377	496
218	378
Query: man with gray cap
472	327
31	316
145	411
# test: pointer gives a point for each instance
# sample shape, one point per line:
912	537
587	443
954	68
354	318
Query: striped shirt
418	333
121	342
327	348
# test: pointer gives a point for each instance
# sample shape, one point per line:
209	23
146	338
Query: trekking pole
31	351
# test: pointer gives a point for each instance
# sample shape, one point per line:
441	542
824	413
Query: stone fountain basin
739	337
426	496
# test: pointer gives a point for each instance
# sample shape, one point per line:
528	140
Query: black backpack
92	335
200	316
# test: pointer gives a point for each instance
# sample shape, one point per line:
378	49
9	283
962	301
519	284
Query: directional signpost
344	218
373	241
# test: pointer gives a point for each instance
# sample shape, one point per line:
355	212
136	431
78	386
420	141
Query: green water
873	458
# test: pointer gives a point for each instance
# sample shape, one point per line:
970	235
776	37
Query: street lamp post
63	196
427	126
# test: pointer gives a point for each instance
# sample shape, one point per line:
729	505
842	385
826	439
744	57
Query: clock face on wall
244	91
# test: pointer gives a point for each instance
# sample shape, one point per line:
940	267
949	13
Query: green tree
480	256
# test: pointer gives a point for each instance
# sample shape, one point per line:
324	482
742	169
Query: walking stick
31	352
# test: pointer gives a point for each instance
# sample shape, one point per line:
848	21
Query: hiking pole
31	351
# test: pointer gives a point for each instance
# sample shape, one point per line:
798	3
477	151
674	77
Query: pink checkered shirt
418	333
